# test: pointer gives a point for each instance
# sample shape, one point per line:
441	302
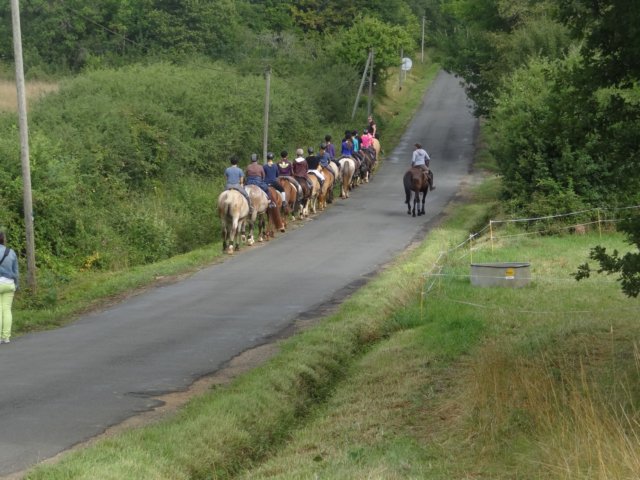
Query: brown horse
377	148
233	210
335	169
262	213
415	180
276	220
347	170
327	186
291	195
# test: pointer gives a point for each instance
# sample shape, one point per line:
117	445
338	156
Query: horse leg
424	197
416	200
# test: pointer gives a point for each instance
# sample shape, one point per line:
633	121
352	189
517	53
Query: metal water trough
508	274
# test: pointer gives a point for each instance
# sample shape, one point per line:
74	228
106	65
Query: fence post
471	248
599	224
491	233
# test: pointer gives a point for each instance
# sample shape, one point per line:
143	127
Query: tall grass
34	91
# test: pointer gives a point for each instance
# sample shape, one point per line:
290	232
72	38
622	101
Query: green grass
495	383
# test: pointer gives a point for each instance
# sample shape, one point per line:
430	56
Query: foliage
126	164
352	45
627	265
71	35
488	39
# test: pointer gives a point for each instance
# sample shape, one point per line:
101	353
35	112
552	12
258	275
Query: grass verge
540	382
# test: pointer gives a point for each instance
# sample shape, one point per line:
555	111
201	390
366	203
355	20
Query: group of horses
301	198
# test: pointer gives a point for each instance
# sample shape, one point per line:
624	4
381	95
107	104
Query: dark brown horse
415	180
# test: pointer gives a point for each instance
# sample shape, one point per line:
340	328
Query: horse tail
406	180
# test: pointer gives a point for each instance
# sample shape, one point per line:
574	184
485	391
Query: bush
127	164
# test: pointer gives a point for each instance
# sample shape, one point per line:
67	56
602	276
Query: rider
284	165
271	175
331	150
313	161
255	176
421	160
366	140
372	126
356	141
347	145
235	179
300	169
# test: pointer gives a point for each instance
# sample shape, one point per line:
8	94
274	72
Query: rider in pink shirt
366	139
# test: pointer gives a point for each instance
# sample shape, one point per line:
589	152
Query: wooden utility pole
422	40
24	146
364	76
401	65
265	137
370	84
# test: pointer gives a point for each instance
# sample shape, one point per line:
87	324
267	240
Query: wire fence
496	232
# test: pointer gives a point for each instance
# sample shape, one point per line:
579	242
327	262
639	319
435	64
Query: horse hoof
230	250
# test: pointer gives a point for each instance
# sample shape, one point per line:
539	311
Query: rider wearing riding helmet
313	161
301	169
284	165
271	174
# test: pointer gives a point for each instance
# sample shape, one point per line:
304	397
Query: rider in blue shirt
235	178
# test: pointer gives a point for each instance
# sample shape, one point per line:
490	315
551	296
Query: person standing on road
421	160
8	285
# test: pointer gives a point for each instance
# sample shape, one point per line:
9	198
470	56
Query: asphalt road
62	387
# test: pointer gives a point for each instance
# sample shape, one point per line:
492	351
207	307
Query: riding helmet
310	150
270	156
254	157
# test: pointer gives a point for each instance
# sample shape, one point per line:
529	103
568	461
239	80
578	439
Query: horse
260	203
312	204
376	147
327	186
335	169
415	180
276	221
366	166
347	170
233	210
291	195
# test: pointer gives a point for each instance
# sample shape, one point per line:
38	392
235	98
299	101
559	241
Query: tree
353	45
627	265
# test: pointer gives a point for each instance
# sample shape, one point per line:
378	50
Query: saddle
244	194
317	175
295	183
